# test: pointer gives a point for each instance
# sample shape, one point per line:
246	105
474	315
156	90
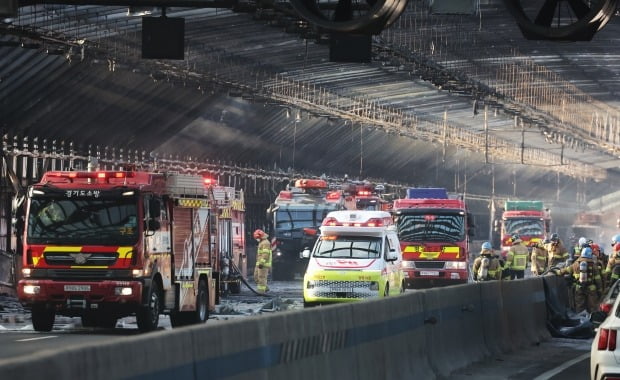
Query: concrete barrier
425	334
454	316
493	322
525	311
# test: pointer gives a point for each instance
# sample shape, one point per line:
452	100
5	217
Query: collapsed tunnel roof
463	102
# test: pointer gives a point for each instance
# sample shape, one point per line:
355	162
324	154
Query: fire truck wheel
148	316
202	302
42	318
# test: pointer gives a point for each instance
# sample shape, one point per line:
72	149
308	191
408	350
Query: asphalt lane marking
552	372
38	338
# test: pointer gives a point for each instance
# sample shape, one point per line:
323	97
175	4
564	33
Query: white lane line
552	372
38	338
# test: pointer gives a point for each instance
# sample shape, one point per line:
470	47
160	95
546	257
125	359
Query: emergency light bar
106	174
372	222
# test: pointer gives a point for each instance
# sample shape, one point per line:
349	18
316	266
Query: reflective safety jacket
517	257
493	271
589	279
613	261
263	253
557	253
539	259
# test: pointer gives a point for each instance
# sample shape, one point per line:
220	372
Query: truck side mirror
305	254
392	255
154	208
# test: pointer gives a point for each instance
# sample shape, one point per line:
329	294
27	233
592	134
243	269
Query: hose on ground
245	281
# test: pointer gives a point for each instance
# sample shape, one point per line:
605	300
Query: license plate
77	288
429	273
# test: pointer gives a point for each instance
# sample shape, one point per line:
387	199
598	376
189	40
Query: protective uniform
612	270
486	266
517	257
263	261
539	258
587	281
557	252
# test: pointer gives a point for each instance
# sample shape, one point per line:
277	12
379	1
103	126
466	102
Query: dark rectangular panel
347	47
163	38
8	8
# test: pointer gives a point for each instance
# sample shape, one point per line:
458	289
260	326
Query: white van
356	256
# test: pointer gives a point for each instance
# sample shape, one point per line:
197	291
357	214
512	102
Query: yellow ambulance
356	256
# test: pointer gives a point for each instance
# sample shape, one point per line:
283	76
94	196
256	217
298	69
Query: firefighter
486	266
263	260
599	261
557	252
581	244
612	270
539	258
517	257
587	281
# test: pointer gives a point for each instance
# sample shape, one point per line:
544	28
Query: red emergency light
209	182
286	194
364	193
372	222
333	195
92	175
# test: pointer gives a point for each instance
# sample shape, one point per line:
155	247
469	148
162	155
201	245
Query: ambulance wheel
148	316
42	318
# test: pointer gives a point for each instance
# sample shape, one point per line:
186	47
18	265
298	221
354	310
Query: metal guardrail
7	269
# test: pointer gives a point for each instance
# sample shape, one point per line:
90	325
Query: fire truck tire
148	316
202	302
42	318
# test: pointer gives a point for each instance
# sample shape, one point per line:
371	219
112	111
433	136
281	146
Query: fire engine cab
102	245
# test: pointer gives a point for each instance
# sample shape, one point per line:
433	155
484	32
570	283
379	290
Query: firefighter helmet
515	238
586	252
615	240
554	237
259	234
486	246
582	241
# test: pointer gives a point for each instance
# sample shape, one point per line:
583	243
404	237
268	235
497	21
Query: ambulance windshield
350	247
82	220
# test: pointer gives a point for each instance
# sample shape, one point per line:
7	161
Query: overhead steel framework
448	52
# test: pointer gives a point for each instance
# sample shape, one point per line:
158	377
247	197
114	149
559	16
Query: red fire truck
434	233
529	219
297	214
364	196
103	245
